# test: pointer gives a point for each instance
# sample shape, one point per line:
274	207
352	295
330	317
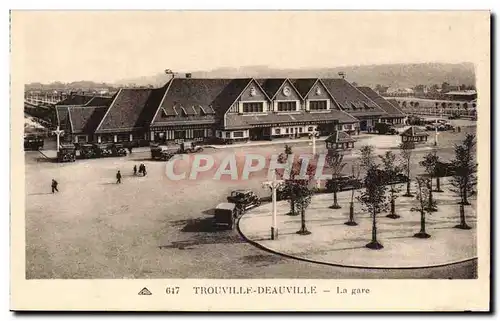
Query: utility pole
58	133
314	132
274	185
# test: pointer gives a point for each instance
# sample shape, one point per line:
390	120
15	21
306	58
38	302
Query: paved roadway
151	227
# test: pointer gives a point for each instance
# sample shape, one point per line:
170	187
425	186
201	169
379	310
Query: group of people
142	169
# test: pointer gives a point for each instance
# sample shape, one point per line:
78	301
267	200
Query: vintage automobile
344	183
117	150
244	199
385	129
189	147
225	215
387	180
101	150
162	153
33	142
66	153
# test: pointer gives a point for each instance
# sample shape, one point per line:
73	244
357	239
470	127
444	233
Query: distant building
464	95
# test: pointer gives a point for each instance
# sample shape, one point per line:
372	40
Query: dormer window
353	106
366	106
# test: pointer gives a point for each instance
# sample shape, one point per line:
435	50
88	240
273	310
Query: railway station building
226	110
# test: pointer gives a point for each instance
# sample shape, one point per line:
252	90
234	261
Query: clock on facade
286	91
318	91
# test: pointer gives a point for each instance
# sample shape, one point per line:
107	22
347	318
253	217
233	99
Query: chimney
188	75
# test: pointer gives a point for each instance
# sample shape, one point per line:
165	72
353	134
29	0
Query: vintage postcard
250	161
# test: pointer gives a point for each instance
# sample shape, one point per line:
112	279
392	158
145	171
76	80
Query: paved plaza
333	242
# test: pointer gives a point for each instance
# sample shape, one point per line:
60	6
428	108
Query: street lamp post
58	133
274	185
436	126
313	133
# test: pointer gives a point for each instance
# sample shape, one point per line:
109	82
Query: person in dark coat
144	170
135	170
54	186
118	177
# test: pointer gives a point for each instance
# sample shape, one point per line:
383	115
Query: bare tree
423	185
373	200
367	157
464	179
336	163
302	195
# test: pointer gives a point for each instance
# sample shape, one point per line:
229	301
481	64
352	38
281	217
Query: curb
262	247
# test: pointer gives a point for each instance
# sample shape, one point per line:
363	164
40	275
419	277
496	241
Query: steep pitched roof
229	94
389	108
100	101
303	85
351	99
189	92
85	119
125	111
75	100
414	131
340	137
271	85
62	115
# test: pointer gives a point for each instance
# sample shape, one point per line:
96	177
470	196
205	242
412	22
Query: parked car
225	215
385	129
66	153
162	153
189	147
33	142
398	179
244	199
344	183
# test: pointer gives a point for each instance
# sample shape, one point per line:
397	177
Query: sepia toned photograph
192	145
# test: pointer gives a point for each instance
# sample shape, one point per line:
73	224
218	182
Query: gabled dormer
286	98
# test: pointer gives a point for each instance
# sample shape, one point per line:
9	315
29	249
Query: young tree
302	195
355	175
295	179
406	153
390	172
336	162
367	157
464	177
373	200
429	163
423	185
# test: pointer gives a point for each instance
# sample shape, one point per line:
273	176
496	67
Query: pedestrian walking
144	170
54	186
135	170
118	177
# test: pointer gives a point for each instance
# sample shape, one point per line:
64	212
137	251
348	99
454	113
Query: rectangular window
253	107
277	131
179	134
287	106
300	129
310	129
317	105
287	130
199	133
238	134
123	137
228	135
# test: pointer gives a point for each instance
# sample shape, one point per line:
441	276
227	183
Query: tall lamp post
436	126
313	137
274	185
58	133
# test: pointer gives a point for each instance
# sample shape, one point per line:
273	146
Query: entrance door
363	125
260	133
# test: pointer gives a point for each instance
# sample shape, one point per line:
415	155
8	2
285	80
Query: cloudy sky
109	46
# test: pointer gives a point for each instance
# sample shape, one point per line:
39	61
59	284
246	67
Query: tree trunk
335	201
463	225
422	234
374	244
351	215
431	208
438	185
292	207
393	214
303	228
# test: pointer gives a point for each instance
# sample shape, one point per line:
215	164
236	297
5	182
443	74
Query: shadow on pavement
33	194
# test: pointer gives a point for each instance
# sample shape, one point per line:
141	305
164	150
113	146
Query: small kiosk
339	141
414	135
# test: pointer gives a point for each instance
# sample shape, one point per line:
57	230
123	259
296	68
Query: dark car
244	199
189	147
32	142
66	153
385	129
162	153
344	183
225	215
387	180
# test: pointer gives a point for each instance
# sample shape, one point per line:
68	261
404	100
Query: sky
107	46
